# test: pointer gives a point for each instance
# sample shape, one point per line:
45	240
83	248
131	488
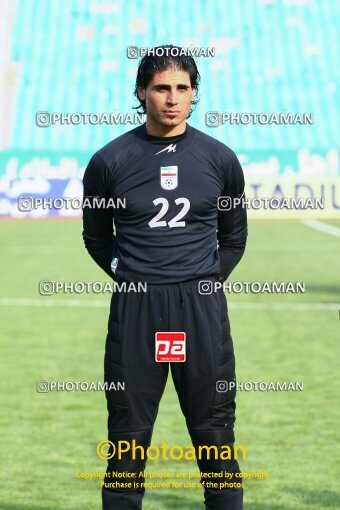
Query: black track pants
134	320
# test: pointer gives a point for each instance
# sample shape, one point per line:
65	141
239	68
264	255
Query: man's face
168	97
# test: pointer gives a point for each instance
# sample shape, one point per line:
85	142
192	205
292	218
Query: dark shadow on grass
331	289
166	501
176	501
173	501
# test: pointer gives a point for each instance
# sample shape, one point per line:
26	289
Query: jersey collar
159	146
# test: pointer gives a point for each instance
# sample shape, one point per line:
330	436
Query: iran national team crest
169	177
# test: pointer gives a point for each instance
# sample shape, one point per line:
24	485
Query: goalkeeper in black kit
171	235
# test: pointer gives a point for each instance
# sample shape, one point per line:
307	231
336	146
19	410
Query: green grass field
47	437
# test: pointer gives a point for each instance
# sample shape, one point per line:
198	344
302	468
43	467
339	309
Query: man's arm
98	222
232	227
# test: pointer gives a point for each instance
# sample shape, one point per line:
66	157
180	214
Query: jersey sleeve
232	227
98	234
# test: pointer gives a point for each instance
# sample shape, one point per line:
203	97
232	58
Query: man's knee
126	460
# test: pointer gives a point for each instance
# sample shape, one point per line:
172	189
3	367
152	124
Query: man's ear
193	94
141	93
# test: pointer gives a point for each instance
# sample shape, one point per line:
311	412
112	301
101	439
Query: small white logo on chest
169	148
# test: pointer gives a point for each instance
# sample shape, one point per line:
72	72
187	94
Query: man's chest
168	189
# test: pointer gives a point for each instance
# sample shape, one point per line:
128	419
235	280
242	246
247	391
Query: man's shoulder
121	146
218	149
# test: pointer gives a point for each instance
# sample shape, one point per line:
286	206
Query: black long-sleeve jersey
170	229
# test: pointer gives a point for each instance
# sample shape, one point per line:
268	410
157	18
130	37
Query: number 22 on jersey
175	221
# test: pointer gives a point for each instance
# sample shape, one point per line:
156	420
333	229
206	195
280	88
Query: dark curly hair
151	64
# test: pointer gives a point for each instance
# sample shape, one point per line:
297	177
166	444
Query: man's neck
153	129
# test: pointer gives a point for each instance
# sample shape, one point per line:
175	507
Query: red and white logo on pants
170	346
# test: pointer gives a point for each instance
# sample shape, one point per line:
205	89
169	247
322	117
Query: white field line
106	304
323	227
